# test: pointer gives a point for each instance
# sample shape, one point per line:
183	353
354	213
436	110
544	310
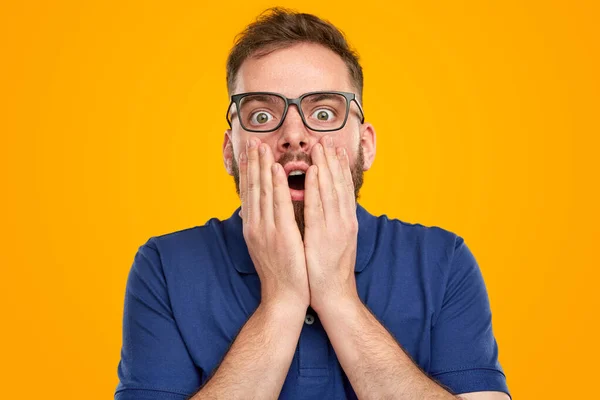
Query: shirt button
309	320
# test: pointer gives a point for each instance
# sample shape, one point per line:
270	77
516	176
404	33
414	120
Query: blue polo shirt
190	292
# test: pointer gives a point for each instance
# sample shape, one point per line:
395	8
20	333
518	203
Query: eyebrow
323	96
262	97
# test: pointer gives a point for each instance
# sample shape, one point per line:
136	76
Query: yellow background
112	119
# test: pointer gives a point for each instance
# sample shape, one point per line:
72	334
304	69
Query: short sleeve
155	364
464	350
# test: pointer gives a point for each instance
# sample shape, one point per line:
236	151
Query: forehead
292	71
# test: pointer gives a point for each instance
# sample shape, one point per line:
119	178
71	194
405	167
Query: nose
294	136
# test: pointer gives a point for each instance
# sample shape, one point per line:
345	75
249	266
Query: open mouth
296	179
296	175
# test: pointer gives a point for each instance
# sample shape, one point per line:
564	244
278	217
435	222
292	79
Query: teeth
296	172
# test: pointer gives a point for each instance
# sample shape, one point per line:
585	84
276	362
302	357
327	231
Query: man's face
292	72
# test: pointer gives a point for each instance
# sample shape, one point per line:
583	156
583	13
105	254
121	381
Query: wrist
334	306
284	305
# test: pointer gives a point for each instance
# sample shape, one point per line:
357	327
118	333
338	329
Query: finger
266	183
348	180
337	175
326	187
283	210
253	176
313	207
243	171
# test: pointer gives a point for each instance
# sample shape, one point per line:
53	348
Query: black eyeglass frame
236	98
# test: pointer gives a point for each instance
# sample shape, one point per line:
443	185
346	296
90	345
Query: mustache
299	156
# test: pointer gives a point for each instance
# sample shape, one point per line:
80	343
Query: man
302	294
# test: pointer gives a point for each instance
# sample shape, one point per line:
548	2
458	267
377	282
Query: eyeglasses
266	111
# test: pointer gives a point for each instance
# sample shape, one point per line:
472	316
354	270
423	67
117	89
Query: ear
368	141
228	152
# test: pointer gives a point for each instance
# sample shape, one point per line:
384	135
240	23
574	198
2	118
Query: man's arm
257	363
259	359
376	365
374	362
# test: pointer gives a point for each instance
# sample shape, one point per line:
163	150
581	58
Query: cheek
350	141
273	145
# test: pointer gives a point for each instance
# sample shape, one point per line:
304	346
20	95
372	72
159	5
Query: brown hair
278	28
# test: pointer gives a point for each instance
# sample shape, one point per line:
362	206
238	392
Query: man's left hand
331	227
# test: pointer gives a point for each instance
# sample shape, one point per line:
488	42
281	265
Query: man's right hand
270	230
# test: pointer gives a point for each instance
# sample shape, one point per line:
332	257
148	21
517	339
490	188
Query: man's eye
261	117
323	115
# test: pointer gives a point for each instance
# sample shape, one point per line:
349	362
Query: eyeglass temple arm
362	113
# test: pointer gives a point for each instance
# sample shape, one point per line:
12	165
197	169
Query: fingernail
242	156
261	150
274	168
329	141
319	147
251	143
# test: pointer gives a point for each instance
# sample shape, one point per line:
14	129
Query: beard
356	170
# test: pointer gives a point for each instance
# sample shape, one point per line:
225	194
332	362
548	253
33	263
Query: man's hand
331	227
270	230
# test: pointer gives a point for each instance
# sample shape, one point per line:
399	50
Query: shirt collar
238	251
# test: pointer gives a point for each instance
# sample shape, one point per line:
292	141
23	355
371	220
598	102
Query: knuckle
276	207
265	191
250	233
252	186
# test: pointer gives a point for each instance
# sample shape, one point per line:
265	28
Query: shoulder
185	246
186	239
432	240
424	252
